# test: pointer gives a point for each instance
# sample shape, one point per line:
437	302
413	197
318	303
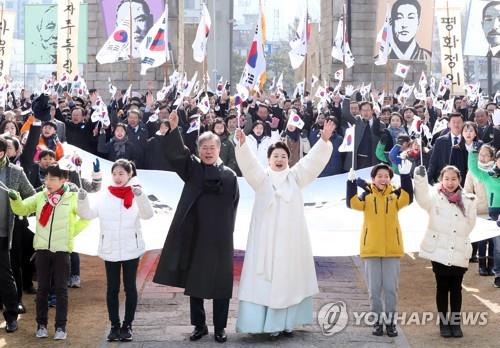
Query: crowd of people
453	158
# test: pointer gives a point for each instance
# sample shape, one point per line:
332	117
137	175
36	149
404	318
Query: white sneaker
42	332
75	281
60	334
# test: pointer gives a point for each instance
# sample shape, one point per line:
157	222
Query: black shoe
489	266
20	308
287	333
11	326
474	259
114	333
391	330
220	336
496	283
31	290
483	272
126	333
378	330
456	331
198	332
445	330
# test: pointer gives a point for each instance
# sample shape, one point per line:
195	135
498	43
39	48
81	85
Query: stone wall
97	75
363	37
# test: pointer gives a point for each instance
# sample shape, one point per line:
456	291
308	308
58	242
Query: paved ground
162	317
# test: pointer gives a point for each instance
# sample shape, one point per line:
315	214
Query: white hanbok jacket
278	271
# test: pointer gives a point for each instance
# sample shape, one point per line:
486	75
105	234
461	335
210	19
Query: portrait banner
68	16
7	27
483	29
40	34
142	14
450	39
411	25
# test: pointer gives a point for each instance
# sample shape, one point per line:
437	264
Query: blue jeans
494	213
75	264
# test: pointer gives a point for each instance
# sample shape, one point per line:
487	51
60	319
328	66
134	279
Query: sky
288	11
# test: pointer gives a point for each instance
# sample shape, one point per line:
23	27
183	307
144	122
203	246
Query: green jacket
63	224
491	183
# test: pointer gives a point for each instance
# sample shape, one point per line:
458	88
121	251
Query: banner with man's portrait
411	24
40	34
143	13
483	28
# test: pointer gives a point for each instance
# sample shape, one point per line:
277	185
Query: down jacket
447	237
120	236
381	233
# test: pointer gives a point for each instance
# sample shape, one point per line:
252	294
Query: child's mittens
137	191
97	166
420	171
82	195
14	195
351	176
405	167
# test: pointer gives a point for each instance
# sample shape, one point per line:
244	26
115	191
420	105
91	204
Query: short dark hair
55	170
122	125
3	144
15	142
455	114
450	168
47	152
219	120
381	166
395	6
412	109
278	145
403	138
489	4
365	103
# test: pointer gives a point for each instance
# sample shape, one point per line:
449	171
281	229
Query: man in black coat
367	133
79	132
198	251
449	149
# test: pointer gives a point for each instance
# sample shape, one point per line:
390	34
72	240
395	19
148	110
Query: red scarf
124	192
453	197
52	200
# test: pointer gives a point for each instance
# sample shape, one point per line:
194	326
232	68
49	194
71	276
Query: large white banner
450	38
333	228
7	27
483	30
68	14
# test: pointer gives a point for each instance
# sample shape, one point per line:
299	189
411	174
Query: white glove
349	90
137	191
352	175
405	167
82	194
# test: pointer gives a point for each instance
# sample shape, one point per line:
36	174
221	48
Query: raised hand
405	167
137	191
351	176
420	171
97	165
275	122
240	136
349	90
82	194
327	131
173	120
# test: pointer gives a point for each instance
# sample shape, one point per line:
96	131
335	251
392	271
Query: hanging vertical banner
68	15
7	22
450	39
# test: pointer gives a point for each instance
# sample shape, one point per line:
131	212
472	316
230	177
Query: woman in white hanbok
278	278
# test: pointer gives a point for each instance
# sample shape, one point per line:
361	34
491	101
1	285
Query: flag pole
353	145
130	42
165	66
305	62
343	39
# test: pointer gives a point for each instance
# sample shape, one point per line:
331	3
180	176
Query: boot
444	330
483	271
489	266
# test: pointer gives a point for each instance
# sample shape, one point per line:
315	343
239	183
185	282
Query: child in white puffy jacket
452	216
120	209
